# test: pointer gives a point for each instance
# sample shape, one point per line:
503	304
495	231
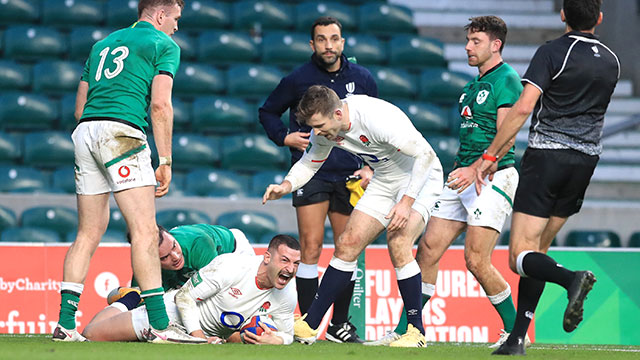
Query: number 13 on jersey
121	53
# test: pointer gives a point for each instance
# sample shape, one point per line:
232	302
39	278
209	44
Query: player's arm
162	120
81	99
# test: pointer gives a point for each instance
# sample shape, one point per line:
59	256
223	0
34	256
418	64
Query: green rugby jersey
478	107
120	70
200	244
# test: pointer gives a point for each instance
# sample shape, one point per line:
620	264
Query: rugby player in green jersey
483	104
126	74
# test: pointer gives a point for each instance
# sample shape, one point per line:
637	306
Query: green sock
156	310
507	312
401	329
68	307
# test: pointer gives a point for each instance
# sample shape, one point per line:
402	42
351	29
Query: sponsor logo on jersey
595	51
235	292
300	192
482	96
351	87
124	171
364	140
196	279
265	307
466	112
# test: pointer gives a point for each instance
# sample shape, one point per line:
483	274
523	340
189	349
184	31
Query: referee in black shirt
567	86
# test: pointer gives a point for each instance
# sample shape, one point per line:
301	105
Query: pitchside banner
30	295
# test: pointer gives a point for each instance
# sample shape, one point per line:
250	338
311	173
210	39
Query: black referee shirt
576	74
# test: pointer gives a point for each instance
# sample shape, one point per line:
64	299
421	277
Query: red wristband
488	157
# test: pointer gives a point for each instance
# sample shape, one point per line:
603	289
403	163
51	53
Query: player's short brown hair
145	4
494	26
317	99
282	239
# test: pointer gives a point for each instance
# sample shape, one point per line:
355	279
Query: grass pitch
23	347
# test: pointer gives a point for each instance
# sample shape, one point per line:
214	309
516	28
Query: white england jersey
228	296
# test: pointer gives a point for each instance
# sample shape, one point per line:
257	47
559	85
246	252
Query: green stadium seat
427	118
7	218
222	115
181	115
254	224
57	218
216	183
593	238
82	38
252	81
197	79
1	41
506	234
29	234
177	187
13	76
441	85
110	236
63	180
19	11
67	108
328	235
262	179
116	220
634	241
416	51
285	48
381	239
308	12
393	83
48	149
187	45
192	150
56	77
10	148
22	179
33	43
205	14
71	13
226	47
521	146
251	153
171	218
21	110
446	147
385	18
261	15
367	49
122	13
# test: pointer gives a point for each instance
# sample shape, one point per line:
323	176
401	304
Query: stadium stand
10	148
192	150
19	11
29	234
307	12
82	38
177	187
56	77
285	48
27	111
226	47
56	218
251	153
446	147
441	85
266	238
381	18
416	51
198	79
634	240
8	218
213	182
252	81
205	14
393	83
262	179
67	109
121	13
254	224
171	218
218	115
116	221
592	238
367	49
13	76
48	149
428	118
110	236
22	179
187	44
63	180
181	115
71	13
33	43
258	15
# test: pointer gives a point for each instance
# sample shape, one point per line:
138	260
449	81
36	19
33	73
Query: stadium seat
110	236
67	108
56	77
254	224
63	180
181	115
416	51
634	241
428	118
367	49
71	13
393	83
251	153
193	150
258	15
21	110
441	85
33	43
266	238
253	81
7	218
205	14
121	13
19	11
385	18
82	38
22	179
29	234
186	43
381	239
10	148
506	234
48	149
177	187
116	220
57	218
308	12
13	76
328	235
521	146
222	115
262	179
171	218
216	183
226	47
285	48
197	79
446	147
593	238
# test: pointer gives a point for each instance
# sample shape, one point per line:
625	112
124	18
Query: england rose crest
364	140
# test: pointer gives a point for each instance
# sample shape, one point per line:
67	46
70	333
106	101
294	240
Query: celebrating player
219	299
406	183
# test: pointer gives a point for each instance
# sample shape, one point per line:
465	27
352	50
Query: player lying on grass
218	300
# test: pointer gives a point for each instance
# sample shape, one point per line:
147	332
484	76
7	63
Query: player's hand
268	337
366	173
399	215
485	168
163	176
215	340
461	178
297	140
275	192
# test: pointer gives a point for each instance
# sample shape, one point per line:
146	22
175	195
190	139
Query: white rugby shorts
490	209
109	157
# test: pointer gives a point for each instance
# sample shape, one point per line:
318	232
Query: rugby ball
253	326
